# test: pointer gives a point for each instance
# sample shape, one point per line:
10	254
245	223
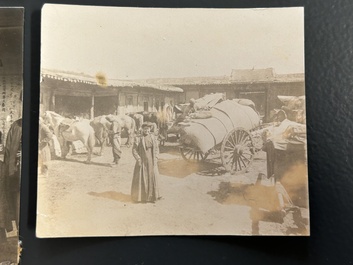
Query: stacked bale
204	134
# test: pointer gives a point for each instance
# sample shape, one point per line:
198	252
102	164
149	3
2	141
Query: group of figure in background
145	150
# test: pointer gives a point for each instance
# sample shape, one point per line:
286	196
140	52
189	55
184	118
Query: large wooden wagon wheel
192	155
237	150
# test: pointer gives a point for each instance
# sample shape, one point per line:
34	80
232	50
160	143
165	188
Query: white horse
68	130
101	127
128	124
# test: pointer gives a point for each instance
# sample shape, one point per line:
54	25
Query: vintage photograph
11	84
161	121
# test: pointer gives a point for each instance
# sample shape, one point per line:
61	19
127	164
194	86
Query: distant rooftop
171	84
244	75
297	77
188	80
237	76
101	80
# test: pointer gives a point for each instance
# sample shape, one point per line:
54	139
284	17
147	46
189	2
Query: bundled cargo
228	129
294	108
208	101
226	116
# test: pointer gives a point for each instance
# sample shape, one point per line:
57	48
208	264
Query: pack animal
100	126
162	119
138	117
68	130
126	123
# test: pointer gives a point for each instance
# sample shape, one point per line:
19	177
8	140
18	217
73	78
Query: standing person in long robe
115	140
12	168
145	179
5	219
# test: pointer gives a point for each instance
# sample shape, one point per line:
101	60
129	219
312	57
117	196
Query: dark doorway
259	98
73	106
105	105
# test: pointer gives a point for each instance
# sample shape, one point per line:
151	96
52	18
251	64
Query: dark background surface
329	81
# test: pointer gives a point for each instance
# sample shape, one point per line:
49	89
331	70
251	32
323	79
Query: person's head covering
147	124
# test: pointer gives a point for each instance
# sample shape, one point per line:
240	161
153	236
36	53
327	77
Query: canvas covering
227	115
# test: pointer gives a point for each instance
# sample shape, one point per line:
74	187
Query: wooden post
267	100
53	101
118	102
138	101
92	108
153	103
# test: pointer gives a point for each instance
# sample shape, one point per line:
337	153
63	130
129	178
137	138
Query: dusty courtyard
78	199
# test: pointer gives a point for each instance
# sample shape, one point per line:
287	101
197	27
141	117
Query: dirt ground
78	199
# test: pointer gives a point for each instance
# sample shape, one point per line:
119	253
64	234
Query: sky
139	43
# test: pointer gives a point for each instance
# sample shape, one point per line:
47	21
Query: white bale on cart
227	115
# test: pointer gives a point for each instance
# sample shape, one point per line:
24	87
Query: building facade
80	95
262	86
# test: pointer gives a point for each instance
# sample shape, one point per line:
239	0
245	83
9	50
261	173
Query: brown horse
68	130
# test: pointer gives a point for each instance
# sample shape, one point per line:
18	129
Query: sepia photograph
167	121
11	84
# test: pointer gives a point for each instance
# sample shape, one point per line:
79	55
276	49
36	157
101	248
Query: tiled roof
171	84
237	76
208	80
244	75
83	78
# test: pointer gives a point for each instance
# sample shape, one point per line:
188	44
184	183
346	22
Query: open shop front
104	105
69	106
259	98
85	107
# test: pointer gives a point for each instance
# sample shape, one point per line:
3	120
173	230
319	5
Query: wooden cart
231	132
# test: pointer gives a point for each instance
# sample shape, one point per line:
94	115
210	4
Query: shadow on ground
84	162
112	195
180	168
264	202
170	149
